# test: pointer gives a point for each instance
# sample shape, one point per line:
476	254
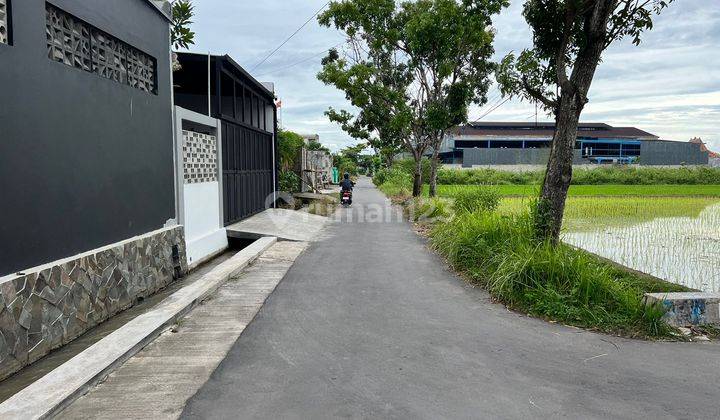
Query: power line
306	59
493	109
290	37
489	104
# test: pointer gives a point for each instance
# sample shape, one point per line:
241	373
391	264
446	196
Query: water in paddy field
682	250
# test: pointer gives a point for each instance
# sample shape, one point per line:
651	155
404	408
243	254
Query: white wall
203	232
199	200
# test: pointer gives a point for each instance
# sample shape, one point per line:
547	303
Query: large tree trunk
433	171
417	181
551	206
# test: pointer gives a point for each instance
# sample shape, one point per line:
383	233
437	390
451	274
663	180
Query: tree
316	145
180	34
372	125
289	145
569	39
414	67
348	159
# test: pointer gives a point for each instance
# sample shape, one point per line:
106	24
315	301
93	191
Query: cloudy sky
669	85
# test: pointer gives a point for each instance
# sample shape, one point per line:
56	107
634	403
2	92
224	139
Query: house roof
547	129
698	140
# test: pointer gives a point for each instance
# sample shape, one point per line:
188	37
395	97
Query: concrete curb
688	308
50	394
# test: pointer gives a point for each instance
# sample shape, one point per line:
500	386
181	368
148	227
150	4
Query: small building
226	130
86	168
511	143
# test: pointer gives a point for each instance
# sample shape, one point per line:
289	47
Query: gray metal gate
247	171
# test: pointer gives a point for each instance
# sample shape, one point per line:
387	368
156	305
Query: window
4	21
78	44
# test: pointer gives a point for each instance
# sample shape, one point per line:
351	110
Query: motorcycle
346	199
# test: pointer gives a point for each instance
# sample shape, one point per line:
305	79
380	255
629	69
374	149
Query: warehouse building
512	143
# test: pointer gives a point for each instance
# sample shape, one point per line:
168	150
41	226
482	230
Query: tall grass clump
429	210
474	199
556	282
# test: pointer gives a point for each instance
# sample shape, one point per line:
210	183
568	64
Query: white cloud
669	85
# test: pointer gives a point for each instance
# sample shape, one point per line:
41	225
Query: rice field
669	231
681	249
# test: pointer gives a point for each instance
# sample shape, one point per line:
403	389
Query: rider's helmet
346	175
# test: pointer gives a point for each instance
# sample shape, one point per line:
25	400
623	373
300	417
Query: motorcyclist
346	185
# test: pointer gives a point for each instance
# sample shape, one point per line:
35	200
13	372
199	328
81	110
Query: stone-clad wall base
44	308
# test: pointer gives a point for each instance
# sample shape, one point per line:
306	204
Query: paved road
370	324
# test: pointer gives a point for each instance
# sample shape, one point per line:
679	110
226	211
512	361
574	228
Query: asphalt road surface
371	324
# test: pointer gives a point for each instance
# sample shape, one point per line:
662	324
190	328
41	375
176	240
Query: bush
477	199
380	176
396	182
408	166
557	282
622	175
289	181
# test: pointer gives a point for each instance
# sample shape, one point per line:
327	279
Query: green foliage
602	190
430	209
348	159
487	177
647	176
380	176
616	175
180	34
566	35
499	251
289	181
557	282
473	199
395	182
316	145
408	166
412	68
289	145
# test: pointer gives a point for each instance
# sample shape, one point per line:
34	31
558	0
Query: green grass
591	190
497	249
618	175
586	213
560	283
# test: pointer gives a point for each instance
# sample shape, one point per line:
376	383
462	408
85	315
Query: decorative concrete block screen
200	163
4	18
79	44
49	306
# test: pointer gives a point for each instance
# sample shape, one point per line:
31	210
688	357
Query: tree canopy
410	68
569	37
180	34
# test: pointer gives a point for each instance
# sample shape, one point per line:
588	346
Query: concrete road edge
59	388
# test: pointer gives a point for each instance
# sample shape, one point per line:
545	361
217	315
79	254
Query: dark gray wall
509	157
658	152
84	161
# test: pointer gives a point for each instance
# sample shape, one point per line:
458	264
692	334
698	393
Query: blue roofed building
516	143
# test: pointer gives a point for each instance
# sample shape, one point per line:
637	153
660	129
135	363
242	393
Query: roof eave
163	7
